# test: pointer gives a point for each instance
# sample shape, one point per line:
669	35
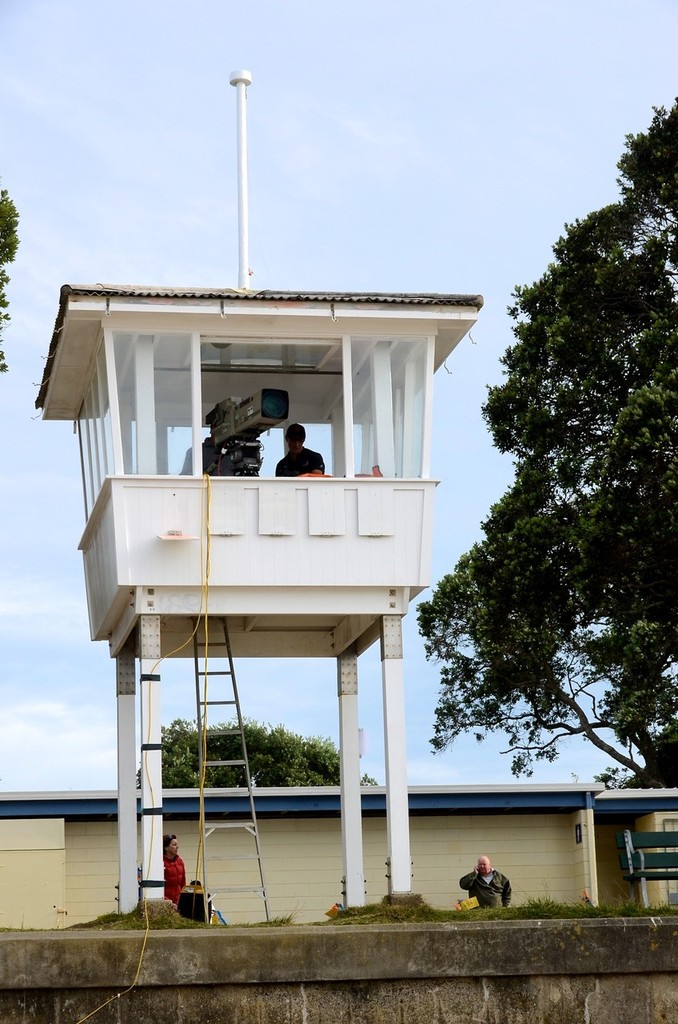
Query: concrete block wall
303	864
91	869
611	886
303	867
534	850
32	873
582	840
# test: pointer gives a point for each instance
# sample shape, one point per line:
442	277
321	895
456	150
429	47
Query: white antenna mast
241	79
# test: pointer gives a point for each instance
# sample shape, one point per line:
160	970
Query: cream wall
303	862
584	854
535	851
32	873
48	865
611	886
91	869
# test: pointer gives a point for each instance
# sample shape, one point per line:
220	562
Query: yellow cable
118	995
202	739
203	611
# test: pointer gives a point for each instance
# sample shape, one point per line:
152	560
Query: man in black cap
299	461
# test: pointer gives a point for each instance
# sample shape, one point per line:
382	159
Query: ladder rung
237	888
229	824
224	764
210	703
228	858
223	732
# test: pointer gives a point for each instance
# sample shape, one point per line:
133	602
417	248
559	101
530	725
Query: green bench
648	856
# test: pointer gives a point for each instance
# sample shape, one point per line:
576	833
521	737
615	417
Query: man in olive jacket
490	887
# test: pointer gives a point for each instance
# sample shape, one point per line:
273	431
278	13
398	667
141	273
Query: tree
276	757
562	620
9	243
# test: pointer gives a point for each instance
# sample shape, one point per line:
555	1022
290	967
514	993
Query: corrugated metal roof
144	291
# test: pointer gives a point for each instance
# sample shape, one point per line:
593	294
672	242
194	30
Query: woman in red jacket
175	870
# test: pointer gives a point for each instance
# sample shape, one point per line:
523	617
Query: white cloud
51	745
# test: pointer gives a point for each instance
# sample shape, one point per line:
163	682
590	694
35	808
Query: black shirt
305	462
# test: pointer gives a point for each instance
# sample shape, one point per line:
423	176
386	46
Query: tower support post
128	884
349	753
397	810
152	870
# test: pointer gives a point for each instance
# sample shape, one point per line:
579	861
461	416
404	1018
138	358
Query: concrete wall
537	972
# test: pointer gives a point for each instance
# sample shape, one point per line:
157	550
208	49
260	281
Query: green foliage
562	620
276	757
9	243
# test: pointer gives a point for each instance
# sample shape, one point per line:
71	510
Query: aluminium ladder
217	693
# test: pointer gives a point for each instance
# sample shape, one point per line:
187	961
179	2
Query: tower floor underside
298	633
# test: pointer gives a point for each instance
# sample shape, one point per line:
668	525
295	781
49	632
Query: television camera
237	423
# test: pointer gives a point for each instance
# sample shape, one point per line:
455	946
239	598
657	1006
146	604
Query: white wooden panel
277	511
101	566
264	535
375	510
326	511
178	517
227	514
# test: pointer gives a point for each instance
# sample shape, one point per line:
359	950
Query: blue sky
395	145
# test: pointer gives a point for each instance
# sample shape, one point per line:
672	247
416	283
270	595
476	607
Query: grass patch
533	910
391	913
135	920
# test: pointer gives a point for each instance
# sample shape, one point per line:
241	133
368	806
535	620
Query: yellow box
467	904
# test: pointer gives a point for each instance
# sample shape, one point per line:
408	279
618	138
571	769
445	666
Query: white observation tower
318	567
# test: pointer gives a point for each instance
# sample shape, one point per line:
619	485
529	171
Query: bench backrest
648	840
650	860
634	845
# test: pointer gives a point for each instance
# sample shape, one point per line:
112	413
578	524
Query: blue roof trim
637	805
319	802
61	807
